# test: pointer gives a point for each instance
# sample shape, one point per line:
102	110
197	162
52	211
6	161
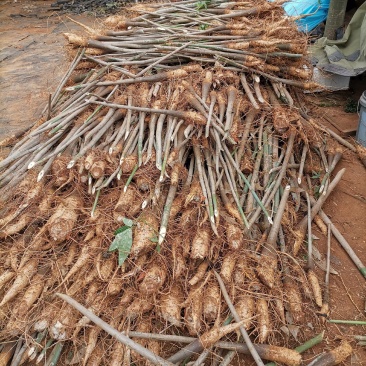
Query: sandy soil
33	59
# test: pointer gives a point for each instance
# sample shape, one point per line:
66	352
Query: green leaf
121	229
158	248
202	4
122	242
154	239
127	222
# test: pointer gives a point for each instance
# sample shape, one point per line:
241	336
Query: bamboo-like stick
18	356
310	239
72	67
330	169
345	245
249	93
228	358
326	291
253	182
302	163
204	186
269	198
146	69
178	114
202	357
268	265
242	176
350	322
301	227
243	331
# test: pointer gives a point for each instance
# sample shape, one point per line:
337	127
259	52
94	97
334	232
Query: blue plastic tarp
314	12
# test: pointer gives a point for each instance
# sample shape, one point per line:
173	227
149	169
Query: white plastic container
361	130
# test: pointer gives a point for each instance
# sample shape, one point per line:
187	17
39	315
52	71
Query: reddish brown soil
346	207
33	60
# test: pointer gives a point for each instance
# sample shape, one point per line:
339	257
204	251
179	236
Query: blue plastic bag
316	11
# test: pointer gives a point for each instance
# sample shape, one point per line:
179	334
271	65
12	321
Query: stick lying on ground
345	245
243	331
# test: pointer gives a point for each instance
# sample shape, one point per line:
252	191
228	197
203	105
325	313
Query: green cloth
346	56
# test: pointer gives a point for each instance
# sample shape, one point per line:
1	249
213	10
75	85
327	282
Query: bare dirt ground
32	61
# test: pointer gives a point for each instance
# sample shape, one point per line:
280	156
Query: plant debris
97	7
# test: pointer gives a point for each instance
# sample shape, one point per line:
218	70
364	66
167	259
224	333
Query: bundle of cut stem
170	149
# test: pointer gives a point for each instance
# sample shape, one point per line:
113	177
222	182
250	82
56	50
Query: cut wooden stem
336	159
302	164
249	119
202	357
249	93
243	331
166	212
327	272
267	266
345	245
350	322
187	115
228	358
310	239
267	200
317	205
257	89
324	311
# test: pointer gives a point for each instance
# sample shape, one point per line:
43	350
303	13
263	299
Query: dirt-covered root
200	248
246	309
170	305
63	220
193	311
335	356
145	234
21	281
155	275
211	302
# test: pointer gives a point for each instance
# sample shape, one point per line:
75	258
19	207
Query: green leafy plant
202	4
122	241
203	26
155	239
351	106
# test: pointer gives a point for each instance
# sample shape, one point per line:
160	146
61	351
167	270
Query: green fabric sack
346	56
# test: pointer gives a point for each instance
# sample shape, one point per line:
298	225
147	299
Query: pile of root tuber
167	193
